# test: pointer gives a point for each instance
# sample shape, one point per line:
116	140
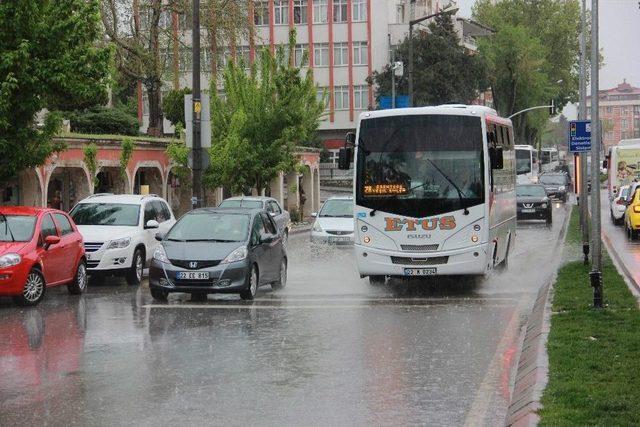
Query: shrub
103	120
173	105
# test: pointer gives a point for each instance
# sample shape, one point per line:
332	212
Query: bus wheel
377	280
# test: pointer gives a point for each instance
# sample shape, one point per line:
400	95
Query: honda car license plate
420	271
192	275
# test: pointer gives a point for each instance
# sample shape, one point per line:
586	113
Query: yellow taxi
632	214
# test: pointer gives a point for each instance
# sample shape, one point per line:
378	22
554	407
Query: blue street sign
579	136
402	101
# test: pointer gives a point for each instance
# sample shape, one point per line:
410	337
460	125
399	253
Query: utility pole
197	195
582	115
596	256
393	74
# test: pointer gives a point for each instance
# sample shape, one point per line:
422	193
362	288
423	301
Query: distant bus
623	165
526	164
549	159
434	191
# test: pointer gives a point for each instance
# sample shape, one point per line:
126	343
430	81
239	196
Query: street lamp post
413	22
197	195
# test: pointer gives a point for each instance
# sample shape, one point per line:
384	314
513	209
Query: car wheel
33	290
79	283
377	280
285	237
282	281
252	285
549	218
134	275
159	294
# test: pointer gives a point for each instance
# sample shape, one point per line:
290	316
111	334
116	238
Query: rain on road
328	349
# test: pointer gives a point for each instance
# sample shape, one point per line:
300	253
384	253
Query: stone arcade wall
64	179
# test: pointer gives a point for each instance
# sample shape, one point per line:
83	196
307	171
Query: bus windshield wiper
7	229
460	194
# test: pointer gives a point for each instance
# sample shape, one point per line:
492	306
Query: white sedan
619	205
334	223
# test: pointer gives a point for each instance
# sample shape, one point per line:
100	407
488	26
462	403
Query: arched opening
148	180
179	193
67	186
25	190
306	193
110	180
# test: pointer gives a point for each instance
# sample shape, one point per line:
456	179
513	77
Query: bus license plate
338	239
420	271
192	275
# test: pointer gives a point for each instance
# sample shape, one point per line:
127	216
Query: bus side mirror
344	158
496	157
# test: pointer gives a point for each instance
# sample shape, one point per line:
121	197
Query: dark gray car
533	202
219	251
271	205
555	184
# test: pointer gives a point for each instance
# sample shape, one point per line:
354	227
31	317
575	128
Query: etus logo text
410	224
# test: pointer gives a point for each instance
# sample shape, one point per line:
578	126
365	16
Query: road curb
533	363
634	287
299	230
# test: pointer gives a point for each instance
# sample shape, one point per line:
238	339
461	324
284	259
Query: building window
341	98
300	51
281	12
321	54
616	110
261	13
624	135
636	110
636	123
339	10
361	97
300	11
625	124
360	53
625	111
609	135
320	12
320	96
359	13
340	54
243	53
400	14
186	63
609	110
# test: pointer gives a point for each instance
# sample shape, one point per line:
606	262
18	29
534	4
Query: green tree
257	126
50	58
444	71
173	105
533	57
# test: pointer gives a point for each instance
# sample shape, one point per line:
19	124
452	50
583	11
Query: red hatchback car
39	248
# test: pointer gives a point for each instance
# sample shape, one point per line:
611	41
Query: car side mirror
273	214
267	238
496	157
314	214
50	241
160	236
344	158
152	223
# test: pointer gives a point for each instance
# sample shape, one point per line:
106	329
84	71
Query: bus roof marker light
366	239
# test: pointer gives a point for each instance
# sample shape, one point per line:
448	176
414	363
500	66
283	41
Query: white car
619	205
334	223
119	232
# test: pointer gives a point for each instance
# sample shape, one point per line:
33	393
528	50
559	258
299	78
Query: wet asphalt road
327	350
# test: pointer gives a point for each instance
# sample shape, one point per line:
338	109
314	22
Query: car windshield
241	203
426	164
530	191
106	214
16	228
337	208
553	179
210	227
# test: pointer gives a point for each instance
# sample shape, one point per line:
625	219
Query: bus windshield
420	165
523	161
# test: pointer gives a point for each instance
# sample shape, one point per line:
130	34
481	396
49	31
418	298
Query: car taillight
636	208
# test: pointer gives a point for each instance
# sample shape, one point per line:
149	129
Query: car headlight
316	227
119	243
237	255
562	188
160	255
9	260
543	206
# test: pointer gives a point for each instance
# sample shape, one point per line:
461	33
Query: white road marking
307	306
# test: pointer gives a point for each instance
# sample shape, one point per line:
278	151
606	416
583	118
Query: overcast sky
619	41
